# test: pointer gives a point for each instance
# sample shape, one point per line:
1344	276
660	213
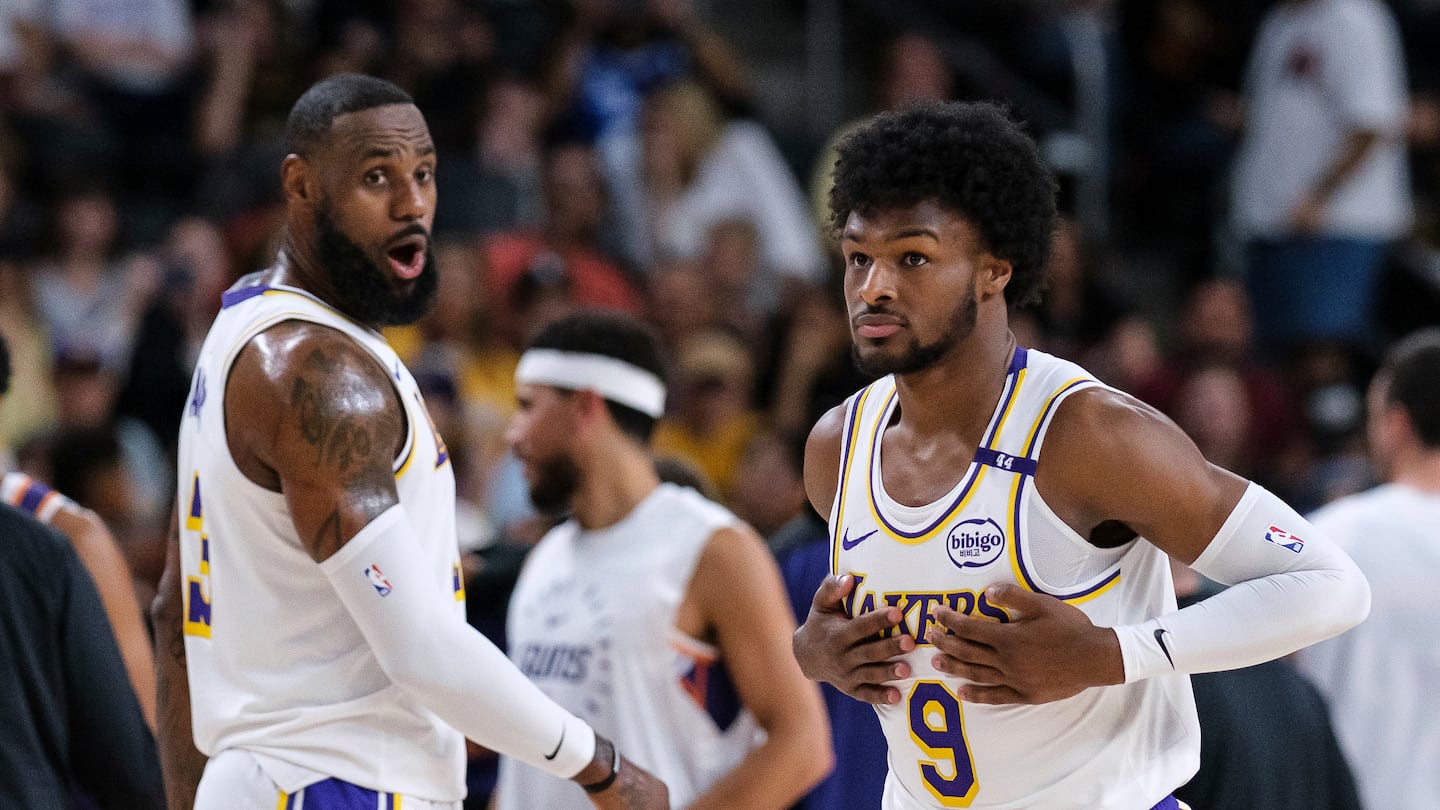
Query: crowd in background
617	153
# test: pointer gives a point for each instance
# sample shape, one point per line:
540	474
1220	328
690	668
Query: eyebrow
388	152
909	233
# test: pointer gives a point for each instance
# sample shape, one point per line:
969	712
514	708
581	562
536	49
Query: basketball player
1000	519
101	556
652	612
1380	677
329	663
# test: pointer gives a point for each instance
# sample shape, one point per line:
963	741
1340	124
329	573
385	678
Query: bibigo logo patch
975	543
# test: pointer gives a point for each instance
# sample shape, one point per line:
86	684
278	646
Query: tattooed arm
310	414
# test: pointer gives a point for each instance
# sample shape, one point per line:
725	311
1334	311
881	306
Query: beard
556	482
365	290
917	356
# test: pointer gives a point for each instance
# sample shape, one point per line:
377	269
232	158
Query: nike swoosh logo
552	754
1160	637
847	544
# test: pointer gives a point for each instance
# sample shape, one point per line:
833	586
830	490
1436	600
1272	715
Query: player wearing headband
652	613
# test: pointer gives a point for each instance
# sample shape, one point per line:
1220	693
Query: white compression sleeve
1291	586
426	647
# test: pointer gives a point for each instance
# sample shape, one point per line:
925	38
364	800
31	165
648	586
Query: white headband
610	377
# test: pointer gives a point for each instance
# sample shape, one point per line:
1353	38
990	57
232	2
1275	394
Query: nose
877	285
410	202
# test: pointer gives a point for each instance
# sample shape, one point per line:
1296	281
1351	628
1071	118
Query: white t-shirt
1382	678
1319	71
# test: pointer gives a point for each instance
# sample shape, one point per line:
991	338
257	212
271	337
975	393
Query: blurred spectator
567	246
1215	344
495	182
1213	408
71	715
1380	677
1078	311
30	406
1321	184
1251	715
87	301
700	171
710	420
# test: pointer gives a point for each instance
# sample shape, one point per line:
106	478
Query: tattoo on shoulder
340	441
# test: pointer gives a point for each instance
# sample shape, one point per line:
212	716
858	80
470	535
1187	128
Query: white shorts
234	780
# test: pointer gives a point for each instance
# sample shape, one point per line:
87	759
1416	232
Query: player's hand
634	789
1049	650
849	653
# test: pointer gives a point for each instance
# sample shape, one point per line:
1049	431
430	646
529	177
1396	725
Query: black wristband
604	784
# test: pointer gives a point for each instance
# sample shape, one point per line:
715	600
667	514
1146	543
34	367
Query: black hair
1412	380
314	113
970	157
614	335
4	367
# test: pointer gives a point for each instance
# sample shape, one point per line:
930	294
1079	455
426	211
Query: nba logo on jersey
378	580
1284	539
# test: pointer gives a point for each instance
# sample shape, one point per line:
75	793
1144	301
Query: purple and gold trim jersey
1121	747
276	664
28	495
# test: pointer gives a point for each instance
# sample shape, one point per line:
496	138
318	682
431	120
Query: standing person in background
102	558
321	624
70	716
1009	545
1321	182
652	612
1380	677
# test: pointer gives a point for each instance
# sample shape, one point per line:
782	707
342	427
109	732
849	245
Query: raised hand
849	653
1049	650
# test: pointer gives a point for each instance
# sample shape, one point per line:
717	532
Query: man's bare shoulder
307	381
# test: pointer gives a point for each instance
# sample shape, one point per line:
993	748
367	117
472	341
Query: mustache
413	229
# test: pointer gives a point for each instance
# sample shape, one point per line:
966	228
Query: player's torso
276	663
592	623
993	527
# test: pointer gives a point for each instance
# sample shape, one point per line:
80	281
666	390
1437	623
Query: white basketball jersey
1107	748
592	623
276	664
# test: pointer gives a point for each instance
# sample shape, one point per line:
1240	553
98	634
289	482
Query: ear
298	180
992	275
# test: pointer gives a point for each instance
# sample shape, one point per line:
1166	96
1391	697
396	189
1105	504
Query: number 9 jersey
1108	748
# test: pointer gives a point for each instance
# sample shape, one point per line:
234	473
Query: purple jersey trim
232	297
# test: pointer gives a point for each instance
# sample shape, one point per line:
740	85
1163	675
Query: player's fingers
874	694
979	693
982	631
1016	600
872	623
831	594
871	649
969	670
964	649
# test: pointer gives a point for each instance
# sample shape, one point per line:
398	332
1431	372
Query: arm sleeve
425	646
1291	586
113	754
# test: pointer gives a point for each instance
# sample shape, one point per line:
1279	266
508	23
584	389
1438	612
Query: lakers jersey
276	665
592	623
1107	748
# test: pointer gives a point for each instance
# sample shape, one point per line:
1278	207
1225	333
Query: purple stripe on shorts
333	794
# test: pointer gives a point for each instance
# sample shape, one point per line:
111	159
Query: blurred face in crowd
574	192
541	434
910	285
375	208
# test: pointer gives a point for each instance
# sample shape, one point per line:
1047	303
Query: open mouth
407	257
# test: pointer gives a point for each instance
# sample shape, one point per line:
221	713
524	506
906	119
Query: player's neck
298	266
958	394
1418	470
613	484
